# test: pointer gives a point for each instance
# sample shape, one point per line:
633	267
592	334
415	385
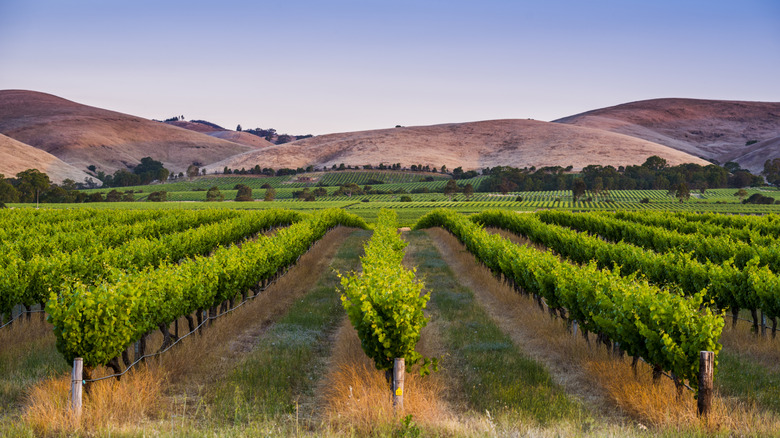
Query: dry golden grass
472	145
357	398
82	135
16	156
741	340
110	405
603	381
657	404
24	331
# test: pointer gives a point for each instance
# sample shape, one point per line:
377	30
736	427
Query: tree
8	192
160	196
597	186
683	192
772	171
244	193
192	170
214	195
578	189
741	194
150	170
320	191
468	191
443	169
31	183
270	194
238	128
113	196
654	163
451	188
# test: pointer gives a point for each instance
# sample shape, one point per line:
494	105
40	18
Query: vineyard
297	320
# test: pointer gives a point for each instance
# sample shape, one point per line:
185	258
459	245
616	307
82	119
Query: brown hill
16	156
472	145
82	135
244	138
754	156
712	129
193	126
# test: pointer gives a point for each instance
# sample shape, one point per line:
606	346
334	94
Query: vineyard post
763	324
399	369
75	386
706	372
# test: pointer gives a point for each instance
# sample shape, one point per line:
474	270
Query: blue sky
318	67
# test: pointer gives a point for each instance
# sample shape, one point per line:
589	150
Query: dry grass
471	145
657	404
24	331
742	341
606	383
357	398
109	406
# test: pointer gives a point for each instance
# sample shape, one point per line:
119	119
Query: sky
316	67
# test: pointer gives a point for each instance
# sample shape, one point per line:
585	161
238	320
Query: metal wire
20	315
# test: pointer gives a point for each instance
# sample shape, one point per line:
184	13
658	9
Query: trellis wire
26	312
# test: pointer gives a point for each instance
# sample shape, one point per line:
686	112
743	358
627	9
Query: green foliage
244	193
31	183
160	196
578	189
683	193
385	302
214	195
663	328
97	321
270	194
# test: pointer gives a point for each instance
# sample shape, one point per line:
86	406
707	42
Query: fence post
399	369
706	371
76	385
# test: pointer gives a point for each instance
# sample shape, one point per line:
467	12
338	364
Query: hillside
16	156
244	138
753	157
472	145
193	126
81	135
712	129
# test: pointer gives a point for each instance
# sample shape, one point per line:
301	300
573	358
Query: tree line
653	174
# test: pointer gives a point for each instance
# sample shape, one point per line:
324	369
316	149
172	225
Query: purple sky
317	67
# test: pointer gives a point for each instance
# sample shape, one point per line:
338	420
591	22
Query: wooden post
763	324
75	386
399	369
706	372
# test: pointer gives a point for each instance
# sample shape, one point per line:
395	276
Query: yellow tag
399	392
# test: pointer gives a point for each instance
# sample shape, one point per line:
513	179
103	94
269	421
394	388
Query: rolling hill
16	156
81	135
244	138
472	145
712	129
